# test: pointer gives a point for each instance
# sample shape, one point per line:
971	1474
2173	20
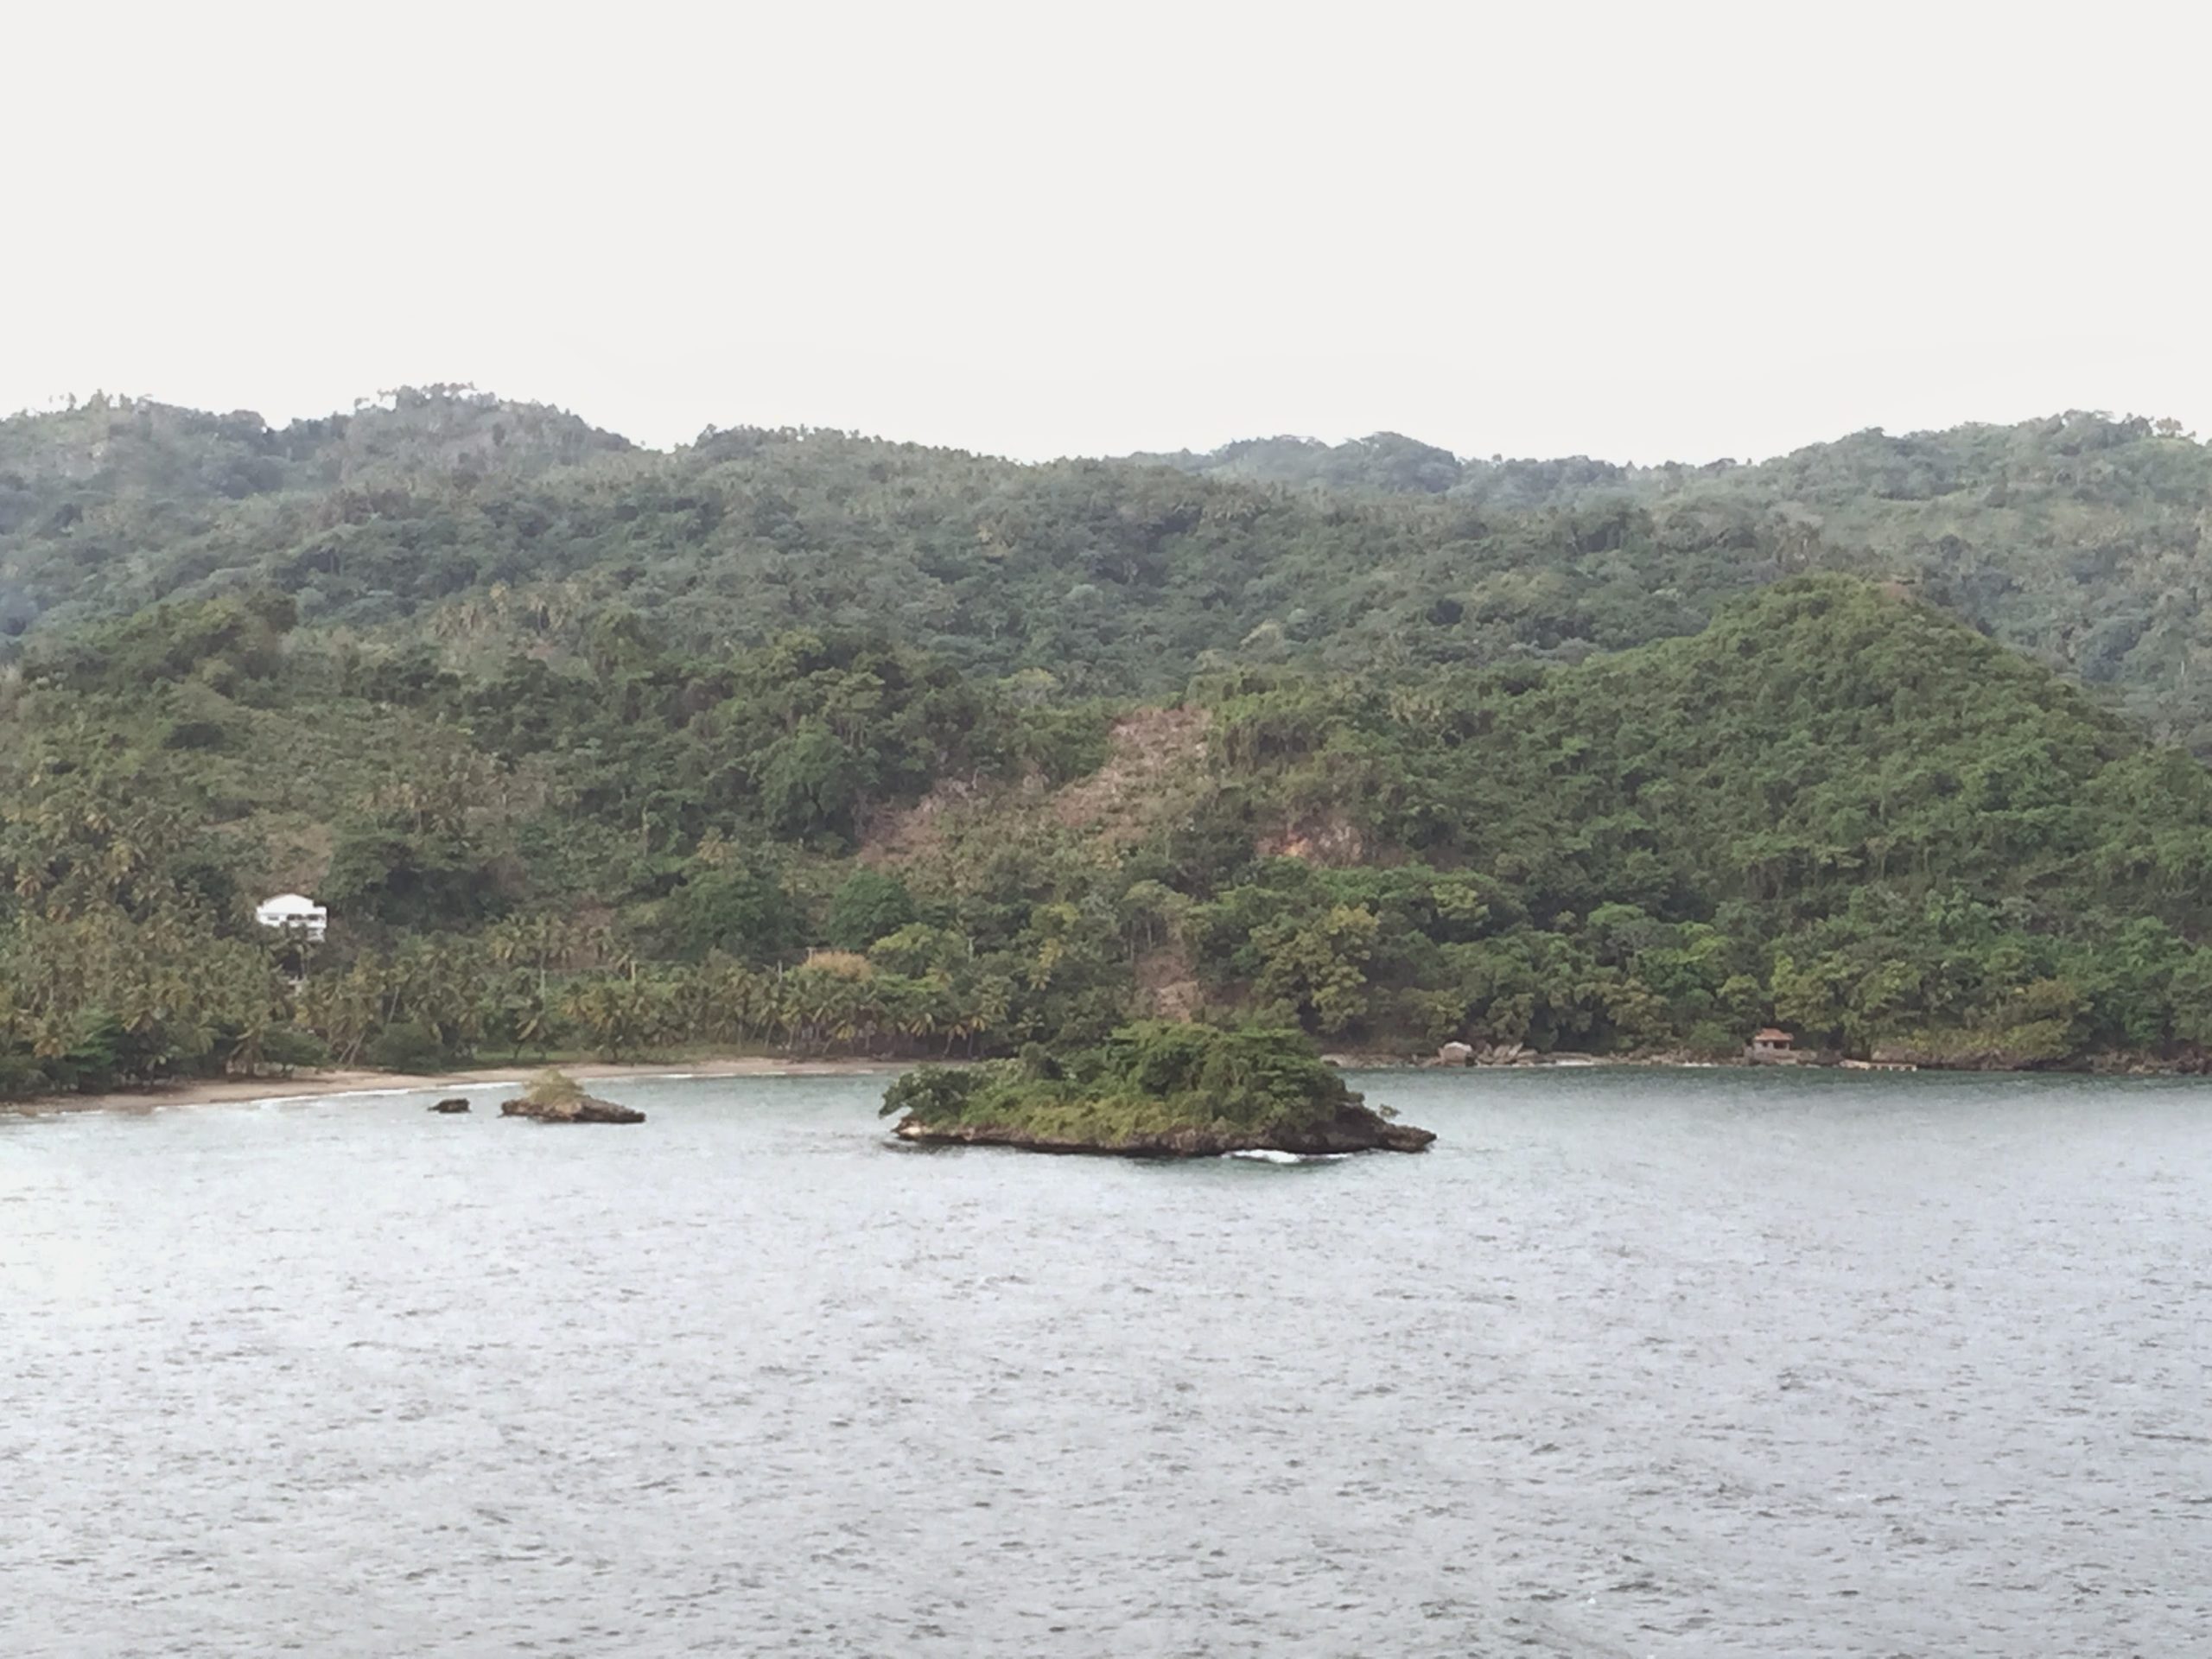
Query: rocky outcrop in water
1155	1088
1352	1128
458	1103
578	1108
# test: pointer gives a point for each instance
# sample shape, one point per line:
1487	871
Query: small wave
335	1094
477	1085
1269	1155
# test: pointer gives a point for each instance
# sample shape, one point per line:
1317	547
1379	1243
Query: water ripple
1630	1365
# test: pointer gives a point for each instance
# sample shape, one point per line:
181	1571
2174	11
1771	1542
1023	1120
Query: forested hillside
466	528
1836	807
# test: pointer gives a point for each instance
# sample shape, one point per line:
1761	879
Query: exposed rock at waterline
458	1103
1352	1128
576	1108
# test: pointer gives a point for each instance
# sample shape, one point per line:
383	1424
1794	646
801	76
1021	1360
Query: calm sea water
1631	1364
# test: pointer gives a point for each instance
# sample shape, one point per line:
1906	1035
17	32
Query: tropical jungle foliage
802	741
446	518
1149	1079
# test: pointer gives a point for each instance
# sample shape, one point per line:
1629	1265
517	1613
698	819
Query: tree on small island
1155	1088
553	1087
554	1096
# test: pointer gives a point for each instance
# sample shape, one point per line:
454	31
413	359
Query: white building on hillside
288	913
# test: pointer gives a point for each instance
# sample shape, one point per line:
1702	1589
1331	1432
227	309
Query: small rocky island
555	1097
1160	1088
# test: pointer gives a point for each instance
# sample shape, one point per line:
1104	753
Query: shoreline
217	1091
308	1085
2085	1065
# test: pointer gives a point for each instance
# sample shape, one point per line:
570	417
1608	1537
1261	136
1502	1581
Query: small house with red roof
1770	1047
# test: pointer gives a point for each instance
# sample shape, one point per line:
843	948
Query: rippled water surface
1632	1364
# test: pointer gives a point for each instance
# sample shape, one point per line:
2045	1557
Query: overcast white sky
1645	232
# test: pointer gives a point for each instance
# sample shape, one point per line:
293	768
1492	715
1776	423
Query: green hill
1836	807
1834	792
480	526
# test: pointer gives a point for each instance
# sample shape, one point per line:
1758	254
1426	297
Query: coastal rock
1988	1056
1454	1054
1352	1128
580	1108
458	1103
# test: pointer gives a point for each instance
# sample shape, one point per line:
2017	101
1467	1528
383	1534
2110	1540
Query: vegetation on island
554	1096
552	1088
1156	1088
803	742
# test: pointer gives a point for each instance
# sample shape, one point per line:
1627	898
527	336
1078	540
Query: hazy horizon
1712	232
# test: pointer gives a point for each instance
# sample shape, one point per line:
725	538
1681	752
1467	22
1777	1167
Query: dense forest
456	522
805	741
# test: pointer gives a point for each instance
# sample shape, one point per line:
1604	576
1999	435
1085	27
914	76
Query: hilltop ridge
479	526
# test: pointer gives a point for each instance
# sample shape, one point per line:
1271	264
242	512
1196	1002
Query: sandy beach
205	1091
